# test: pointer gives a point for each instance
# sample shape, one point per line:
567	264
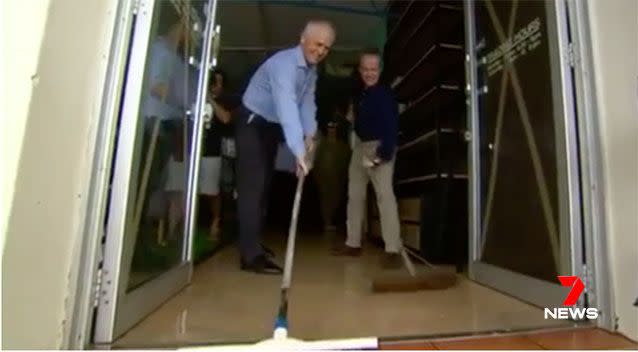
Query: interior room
125	258
423	49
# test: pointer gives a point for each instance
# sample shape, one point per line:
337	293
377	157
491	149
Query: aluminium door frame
84	297
87	290
595	267
598	271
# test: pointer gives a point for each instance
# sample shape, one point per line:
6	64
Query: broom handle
281	323
141	195
292	232
408	262
290	249
419	258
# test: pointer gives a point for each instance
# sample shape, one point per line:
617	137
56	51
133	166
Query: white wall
19	64
54	120
614	26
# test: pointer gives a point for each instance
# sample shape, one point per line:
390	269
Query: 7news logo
574	313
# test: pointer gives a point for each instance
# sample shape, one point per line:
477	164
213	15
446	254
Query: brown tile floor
583	339
330	299
574	339
503	343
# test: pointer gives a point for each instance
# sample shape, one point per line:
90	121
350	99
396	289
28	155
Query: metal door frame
598	273
85	298
533	290
98	287
596	267
109	324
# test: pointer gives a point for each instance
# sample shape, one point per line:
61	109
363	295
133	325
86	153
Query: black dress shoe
262	265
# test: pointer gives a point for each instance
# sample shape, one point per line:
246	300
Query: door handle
467	135
216	44
208	115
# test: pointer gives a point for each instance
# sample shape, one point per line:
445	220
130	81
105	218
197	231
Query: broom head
437	278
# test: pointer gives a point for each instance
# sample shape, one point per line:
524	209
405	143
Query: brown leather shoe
391	261
343	250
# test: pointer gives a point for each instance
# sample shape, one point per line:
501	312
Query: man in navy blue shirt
376	128
278	105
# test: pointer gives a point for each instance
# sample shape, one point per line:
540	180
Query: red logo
577	288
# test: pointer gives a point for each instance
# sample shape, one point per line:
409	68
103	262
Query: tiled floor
330	298
573	339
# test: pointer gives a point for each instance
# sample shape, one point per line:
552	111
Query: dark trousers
257	142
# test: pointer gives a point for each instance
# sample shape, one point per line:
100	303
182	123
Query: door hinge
136	6
589	284
571	54
97	288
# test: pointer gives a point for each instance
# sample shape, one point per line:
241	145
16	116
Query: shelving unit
424	61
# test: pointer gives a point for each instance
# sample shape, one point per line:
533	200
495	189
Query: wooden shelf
424	138
398	23
398	43
424	57
440	111
447	152
426	184
439	107
441	64
438	24
430	177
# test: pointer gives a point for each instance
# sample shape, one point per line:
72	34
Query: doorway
448	175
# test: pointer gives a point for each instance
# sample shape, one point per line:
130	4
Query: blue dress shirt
283	91
161	69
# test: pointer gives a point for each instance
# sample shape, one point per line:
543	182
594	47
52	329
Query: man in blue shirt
279	104
376	131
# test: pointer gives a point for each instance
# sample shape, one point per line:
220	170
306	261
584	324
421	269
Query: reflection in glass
519	175
163	143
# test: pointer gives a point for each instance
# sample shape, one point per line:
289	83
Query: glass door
151	213
525	201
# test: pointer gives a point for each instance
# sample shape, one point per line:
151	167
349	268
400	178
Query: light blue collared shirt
161	69
283	91
182	90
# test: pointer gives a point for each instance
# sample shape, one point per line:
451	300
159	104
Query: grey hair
371	51
314	24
